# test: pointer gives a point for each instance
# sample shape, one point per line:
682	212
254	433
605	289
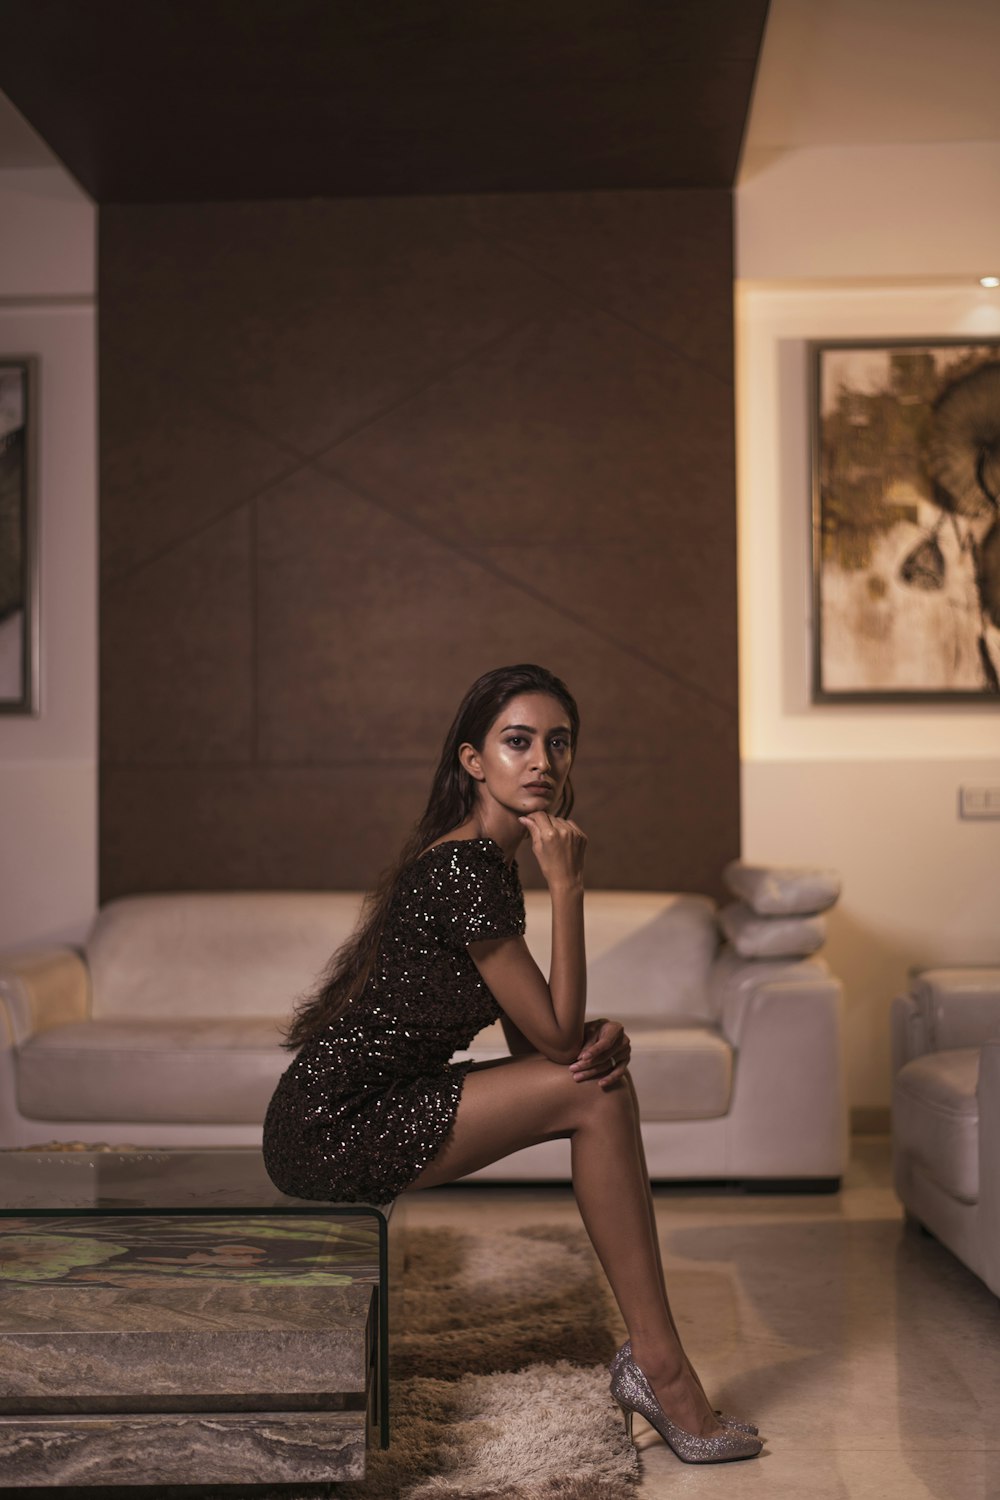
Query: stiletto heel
625	1352
628	1415
633	1393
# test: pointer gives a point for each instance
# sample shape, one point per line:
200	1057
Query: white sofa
164	1030
946	1111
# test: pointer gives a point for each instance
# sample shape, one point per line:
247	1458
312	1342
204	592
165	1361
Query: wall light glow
990	281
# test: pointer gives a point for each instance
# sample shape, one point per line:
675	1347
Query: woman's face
526	755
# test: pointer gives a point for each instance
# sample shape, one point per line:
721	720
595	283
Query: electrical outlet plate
979	802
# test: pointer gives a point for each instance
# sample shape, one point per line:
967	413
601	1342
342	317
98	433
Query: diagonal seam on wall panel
471	555
212	402
439	376
115	580
595	306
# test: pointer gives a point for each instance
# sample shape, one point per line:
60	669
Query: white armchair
946	1111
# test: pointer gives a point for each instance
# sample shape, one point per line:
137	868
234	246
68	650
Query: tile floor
869	1356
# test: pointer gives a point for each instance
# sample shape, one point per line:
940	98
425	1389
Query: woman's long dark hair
452	798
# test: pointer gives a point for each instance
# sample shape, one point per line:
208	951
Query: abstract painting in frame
906	520
18	539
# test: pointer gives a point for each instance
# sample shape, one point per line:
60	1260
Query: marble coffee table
168	1317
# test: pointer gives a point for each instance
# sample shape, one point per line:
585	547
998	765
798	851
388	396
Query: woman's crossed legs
518	1101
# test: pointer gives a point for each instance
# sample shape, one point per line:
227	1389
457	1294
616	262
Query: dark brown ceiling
189	100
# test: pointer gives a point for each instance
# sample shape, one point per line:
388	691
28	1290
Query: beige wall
356	453
865	212
872	790
48	763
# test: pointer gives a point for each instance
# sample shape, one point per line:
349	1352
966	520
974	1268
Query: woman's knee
617	1102
572	1104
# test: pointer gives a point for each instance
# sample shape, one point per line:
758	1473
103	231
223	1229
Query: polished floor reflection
868	1355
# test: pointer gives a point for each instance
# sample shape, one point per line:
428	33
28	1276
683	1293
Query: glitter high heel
625	1352
633	1393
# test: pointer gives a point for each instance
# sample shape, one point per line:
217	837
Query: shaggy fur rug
499	1374
545	1431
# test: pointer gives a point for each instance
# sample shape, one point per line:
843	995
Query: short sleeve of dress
476	896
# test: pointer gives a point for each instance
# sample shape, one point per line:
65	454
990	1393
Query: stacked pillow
777	910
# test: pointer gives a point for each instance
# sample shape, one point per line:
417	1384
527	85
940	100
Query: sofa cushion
935	1118
214	953
771	937
648	954
211	1071
785	891
254	953
680	1072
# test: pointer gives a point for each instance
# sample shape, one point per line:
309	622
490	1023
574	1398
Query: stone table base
227	1448
182	1349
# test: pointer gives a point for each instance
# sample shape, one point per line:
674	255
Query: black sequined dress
369	1101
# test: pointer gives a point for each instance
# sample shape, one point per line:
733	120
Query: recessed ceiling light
989	281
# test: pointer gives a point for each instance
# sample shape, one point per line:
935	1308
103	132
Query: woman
371	1106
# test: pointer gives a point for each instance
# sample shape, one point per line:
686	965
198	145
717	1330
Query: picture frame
19	564
906	520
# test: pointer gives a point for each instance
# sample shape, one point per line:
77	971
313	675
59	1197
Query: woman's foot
677	1389
635	1393
625	1352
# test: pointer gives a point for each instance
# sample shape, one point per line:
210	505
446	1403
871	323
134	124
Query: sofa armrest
907	1031
788	1116
735	982
989	1160
958	1007
41	989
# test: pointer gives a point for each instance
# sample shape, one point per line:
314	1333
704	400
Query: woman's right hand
559	847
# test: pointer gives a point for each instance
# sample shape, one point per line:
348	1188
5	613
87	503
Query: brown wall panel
187	465
355	453
190	828
177	677
661	262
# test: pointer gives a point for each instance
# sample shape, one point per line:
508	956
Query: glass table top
153	1181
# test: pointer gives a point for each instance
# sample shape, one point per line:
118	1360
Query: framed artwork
906	520
18	539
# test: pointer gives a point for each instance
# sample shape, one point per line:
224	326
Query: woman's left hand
605	1053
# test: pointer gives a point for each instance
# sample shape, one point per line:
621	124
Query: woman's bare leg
651	1210
520	1101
